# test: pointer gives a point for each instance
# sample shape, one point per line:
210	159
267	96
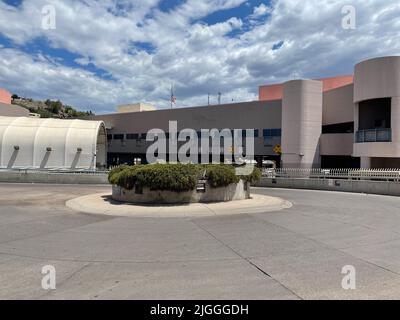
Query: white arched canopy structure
52	143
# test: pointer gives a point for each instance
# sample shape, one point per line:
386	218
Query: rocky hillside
49	108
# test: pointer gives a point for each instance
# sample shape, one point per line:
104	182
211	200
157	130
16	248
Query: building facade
341	122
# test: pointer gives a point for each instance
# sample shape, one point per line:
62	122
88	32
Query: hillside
49	108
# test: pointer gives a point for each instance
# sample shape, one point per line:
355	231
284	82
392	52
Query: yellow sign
278	149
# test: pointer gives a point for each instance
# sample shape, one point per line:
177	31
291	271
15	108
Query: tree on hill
50	108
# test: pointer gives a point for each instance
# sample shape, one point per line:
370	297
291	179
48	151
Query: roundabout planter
204	193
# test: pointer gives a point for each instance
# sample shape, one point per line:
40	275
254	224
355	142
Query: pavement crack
251	263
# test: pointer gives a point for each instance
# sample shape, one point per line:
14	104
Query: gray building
341	122
127	131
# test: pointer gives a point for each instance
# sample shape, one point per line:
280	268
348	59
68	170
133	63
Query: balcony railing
374	135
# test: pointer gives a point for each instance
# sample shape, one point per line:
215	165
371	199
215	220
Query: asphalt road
296	253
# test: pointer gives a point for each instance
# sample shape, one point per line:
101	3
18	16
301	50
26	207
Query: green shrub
254	177
220	175
112	176
176	177
172	177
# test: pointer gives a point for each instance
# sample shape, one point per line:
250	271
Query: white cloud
196	57
261	10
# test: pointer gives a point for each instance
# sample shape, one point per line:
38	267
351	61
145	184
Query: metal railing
350	174
374	135
54	171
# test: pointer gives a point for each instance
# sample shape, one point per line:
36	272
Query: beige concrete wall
55	178
10	110
338	144
355	186
301	123
379	78
338	106
376	149
233	192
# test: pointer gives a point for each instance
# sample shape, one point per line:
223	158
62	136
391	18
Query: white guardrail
349	174
54	171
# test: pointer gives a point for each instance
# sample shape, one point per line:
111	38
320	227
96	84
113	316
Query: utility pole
219	97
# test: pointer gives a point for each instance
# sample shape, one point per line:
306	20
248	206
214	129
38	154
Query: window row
142	136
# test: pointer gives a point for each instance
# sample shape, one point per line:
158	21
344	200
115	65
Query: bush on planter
220	175
171	177
254	177
176	177
113	175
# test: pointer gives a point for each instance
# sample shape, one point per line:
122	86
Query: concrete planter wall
355	186
49	177
240	191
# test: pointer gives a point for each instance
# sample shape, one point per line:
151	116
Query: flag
173	98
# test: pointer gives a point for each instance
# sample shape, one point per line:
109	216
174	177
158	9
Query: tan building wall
301	123
10	110
378	78
338	106
337	144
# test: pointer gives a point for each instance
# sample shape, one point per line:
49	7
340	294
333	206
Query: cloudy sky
109	52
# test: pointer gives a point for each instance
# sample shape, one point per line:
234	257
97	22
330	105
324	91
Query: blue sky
104	53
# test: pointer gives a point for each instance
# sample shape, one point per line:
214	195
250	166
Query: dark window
109	137
272	133
375	113
118	137
255	133
339	162
347	127
380	123
276	132
132	136
267	133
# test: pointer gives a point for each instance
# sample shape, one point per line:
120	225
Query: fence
57	176
53	171
349	174
374	135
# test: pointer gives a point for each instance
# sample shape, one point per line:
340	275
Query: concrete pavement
102	203
296	253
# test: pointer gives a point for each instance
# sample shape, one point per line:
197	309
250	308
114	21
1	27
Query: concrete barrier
52	178
355	186
239	191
